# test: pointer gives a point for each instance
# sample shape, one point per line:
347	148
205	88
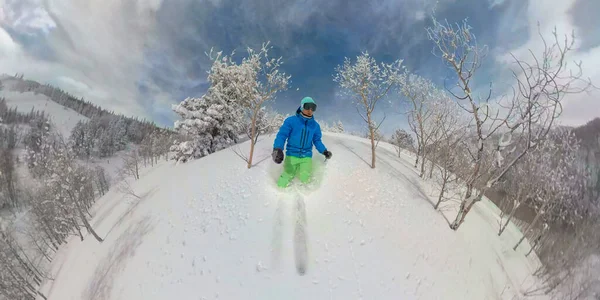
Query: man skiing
301	132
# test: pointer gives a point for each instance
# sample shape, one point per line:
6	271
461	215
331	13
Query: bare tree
558	194
75	188
366	83
447	154
541	85
268	81
523	182
101	180
423	118
68	192
125	187
131	164
570	266
266	122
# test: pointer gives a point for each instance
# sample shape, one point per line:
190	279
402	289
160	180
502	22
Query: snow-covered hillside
212	229
63	118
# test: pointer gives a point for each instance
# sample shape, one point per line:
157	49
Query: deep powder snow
212	229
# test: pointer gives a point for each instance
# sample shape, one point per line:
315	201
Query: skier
301	132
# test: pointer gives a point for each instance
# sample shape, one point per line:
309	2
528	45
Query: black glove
277	155
327	154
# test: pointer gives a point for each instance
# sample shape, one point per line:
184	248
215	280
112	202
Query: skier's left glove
327	154
277	155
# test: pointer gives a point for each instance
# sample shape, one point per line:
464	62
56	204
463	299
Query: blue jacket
301	133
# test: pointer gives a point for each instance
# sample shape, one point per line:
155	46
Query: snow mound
213	229
63	118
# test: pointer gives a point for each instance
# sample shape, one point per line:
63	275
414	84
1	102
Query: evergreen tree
213	121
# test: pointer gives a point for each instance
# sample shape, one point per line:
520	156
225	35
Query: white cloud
578	108
494	3
25	16
97	47
420	15
8	48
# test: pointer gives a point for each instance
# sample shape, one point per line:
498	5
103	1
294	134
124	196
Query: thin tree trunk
77	228
51	235
465	208
512	213
532	247
42	295
418	155
372	133
252	134
537	217
41	249
470	184
87	224
431	169
21	282
137	170
423	160
441	196
26	262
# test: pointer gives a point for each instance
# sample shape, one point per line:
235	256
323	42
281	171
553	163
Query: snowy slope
63	118
212	229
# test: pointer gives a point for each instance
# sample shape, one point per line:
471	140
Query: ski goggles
310	106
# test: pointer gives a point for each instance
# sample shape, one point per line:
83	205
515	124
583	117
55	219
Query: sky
138	57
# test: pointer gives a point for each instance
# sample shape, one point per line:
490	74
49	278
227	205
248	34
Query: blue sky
139	57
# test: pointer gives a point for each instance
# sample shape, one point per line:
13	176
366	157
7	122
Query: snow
63	118
213	229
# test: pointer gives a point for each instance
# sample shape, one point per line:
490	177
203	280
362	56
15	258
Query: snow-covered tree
336	127
65	190
446	145
557	194
105	143
520	180
3	110
8	179
92	132
402	140
267	81
38	143
423	114
366	82
101	180
118	129
131	164
213	121
541	84
277	120
164	141
339	126
71	185
78	140
20	278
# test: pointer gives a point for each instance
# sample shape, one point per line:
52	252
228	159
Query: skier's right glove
327	154
277	155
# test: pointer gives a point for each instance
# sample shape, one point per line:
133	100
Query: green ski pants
292	166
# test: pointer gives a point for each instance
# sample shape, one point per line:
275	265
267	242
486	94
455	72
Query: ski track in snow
212	229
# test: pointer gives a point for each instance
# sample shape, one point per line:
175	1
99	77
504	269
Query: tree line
51	197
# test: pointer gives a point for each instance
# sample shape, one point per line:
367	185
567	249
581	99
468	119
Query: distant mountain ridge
19	84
